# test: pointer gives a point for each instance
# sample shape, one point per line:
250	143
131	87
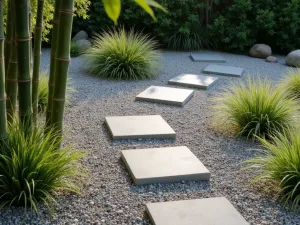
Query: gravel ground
110	196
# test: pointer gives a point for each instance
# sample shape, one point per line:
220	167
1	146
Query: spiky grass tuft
33	170
75	50
291	83
254	109
43	91
280	163
180	41
123	55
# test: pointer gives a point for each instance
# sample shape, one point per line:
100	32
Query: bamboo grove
20	60
20	63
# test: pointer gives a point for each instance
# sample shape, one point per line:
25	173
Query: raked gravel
110	196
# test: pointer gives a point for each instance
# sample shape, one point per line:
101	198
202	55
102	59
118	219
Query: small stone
272	59
139	219
107	205
75	220
91	203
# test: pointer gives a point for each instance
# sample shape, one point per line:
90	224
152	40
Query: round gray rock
293	58
83	44
272	59
81	35
260	51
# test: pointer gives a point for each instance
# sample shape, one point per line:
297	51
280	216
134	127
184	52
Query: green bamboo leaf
145	5
112	9
156	5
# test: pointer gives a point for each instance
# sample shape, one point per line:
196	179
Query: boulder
272	59
83	44
81	35
293	58
260	51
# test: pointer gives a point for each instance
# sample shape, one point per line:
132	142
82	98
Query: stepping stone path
174	164
193	80
164	165
207	57
166	95
135	127
224	70
209	211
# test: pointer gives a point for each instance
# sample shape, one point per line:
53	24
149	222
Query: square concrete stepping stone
209	211
193	80
164	165
224	70
166	95
135	127
207	57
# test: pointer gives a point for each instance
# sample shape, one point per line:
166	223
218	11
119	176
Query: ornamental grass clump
291	83
123	55
75	50
279	164
43	92
188	40
33	170
255	109
182	42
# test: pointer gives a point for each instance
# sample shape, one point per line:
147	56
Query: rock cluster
81	38
265	52
260	51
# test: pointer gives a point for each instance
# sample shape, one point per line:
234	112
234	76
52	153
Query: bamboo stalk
9	34
12	74
24	52
37	57
3	121
52	63
62	63
30	31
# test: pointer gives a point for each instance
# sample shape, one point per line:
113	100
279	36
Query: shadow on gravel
139	142
179	187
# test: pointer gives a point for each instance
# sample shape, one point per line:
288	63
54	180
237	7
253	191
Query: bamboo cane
3	121
9	34
12	74
62	63
24	52
37	57
52	63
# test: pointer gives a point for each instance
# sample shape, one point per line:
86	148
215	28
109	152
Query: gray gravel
109	196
